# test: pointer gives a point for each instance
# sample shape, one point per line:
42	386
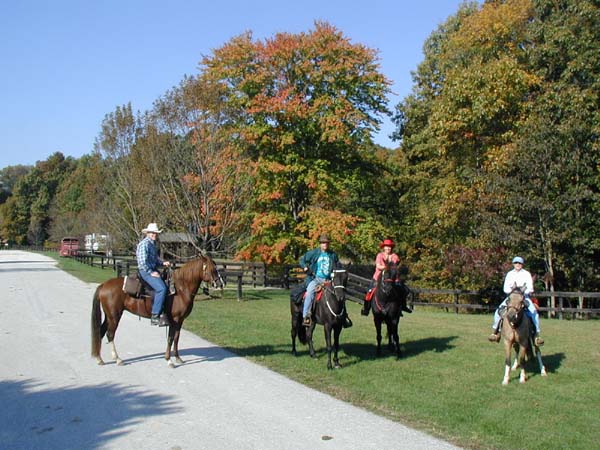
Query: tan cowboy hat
323	238
152	228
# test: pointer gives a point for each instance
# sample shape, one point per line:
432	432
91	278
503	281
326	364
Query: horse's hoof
119	362
179	361
99	362
337	366
171	364
504	382
544	373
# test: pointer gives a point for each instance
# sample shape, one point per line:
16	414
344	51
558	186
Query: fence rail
557	303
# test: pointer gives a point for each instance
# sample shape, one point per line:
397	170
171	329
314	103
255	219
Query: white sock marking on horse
506	375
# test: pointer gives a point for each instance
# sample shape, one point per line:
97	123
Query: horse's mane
191	269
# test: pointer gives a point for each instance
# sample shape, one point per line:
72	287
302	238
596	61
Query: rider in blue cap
520	278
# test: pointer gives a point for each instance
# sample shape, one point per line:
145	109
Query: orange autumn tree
308	104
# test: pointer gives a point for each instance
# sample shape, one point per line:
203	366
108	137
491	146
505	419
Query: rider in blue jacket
318	264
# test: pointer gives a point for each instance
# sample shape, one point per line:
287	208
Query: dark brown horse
517	333
110	297
387	301
329	311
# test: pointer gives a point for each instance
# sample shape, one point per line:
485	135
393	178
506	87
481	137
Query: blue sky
66	63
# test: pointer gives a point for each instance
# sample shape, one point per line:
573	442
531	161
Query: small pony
517	332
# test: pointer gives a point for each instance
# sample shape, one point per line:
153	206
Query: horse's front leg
336	346
327	327
377	322
396	338
515	364
521	359
170	339
507	353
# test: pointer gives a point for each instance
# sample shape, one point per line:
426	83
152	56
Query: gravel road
54	396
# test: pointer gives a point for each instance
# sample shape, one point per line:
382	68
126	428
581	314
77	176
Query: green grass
448	382
84	272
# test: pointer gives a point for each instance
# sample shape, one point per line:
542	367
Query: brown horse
517	334
110	296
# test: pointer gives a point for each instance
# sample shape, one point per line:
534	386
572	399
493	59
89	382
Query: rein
332	290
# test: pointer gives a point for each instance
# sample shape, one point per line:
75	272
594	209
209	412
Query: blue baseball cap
518	259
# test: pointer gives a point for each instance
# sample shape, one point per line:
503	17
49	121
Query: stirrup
538	341
306	321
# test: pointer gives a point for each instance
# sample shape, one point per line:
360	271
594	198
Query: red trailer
69	246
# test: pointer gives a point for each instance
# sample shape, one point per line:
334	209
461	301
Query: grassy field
448	382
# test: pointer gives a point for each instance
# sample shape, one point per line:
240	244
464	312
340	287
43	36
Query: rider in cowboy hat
148	264
383	258
319	264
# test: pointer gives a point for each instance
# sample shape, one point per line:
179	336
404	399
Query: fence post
239	287
456	303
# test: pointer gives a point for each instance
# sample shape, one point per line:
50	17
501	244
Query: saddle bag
132	285
297	293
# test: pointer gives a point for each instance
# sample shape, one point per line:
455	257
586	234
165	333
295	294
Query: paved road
54	396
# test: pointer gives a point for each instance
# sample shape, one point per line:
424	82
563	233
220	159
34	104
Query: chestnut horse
113	300
517	333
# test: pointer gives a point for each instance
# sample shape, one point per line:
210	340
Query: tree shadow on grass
36	416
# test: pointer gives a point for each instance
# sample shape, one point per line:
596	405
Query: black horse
329	310
388	301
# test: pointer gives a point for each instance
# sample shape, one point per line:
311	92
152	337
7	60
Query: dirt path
54	396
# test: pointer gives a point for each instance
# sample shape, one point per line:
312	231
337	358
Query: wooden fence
255	274
588	303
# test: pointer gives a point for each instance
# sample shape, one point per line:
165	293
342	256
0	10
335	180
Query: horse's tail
95	324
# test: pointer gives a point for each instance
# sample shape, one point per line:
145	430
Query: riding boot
365	309
538	340
163	320
495	336
154	320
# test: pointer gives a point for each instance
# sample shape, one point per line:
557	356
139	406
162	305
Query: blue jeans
310	295
160	291
531	312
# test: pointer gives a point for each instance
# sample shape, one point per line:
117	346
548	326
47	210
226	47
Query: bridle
334	288
518	311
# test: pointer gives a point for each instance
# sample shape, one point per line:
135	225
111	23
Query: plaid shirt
147	256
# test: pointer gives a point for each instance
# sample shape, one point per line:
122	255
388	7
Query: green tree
308	103
27	213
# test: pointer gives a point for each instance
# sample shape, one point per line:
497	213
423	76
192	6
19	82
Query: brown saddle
135	286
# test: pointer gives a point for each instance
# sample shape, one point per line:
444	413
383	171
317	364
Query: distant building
179	244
